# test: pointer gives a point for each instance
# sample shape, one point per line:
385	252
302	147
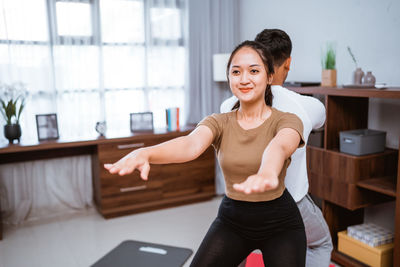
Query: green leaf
329	59
6	111
12	108
352	55
21	107
3	108
9	110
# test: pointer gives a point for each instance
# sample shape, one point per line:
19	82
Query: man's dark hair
278	44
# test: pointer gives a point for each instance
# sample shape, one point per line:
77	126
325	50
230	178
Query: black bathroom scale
142	254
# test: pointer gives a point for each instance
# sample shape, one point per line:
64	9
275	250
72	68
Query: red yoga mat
254	260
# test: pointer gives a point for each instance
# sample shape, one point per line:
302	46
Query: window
92	60
73	19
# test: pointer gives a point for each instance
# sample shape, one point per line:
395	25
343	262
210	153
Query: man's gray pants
319	242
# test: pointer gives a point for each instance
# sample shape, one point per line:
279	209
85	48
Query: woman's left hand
257	183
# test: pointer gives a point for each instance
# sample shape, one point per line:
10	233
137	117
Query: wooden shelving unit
383	185
347	183
344	260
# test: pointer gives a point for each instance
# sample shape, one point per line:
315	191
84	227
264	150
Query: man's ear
287	63
270	79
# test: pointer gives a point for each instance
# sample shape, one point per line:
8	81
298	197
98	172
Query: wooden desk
348	183
168	185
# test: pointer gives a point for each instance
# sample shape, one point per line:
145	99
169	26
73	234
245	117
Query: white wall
370	27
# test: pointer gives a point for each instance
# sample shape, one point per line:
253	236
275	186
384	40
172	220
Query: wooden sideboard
347	183
168	185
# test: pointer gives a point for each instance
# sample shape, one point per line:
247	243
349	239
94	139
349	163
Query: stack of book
172	116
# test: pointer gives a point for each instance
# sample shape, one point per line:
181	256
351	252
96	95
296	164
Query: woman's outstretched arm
181	149
281	147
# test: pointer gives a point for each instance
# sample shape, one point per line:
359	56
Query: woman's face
248	77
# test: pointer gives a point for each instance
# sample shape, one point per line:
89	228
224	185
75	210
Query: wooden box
381	256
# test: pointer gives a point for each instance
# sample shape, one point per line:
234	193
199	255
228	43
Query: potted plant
12	103
329	66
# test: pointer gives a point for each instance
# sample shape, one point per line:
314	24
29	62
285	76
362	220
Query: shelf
391	92
384	185
388	151
345	260
335	176
87	141
33	150
348	183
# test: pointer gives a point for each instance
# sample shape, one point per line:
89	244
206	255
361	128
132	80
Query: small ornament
101	127
369	79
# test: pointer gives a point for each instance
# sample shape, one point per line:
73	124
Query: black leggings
275	227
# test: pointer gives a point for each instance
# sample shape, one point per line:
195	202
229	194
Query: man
312	113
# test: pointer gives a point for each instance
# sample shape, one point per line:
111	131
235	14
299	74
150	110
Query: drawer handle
348	140
136	145
133	188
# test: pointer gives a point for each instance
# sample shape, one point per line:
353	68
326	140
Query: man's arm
312	106
315	111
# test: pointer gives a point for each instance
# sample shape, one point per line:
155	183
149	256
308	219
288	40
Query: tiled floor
79	240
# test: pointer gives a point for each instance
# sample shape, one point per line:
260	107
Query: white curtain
44	188
86	61
92	61
213	29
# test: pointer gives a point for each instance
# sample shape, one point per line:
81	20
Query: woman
254	143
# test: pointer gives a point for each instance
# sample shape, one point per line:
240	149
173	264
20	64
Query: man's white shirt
312	113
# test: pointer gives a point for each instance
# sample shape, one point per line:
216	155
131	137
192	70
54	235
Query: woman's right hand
257	184
137	159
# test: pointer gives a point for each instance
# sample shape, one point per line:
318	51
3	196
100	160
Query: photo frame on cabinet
141	122
47	126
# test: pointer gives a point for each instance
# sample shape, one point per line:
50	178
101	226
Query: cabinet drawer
168	184
118	185
188	178
130	198
156	172
109	153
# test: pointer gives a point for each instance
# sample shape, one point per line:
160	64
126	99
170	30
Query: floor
80	239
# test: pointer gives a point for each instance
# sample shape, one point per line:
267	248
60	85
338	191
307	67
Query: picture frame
47	126
141	122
